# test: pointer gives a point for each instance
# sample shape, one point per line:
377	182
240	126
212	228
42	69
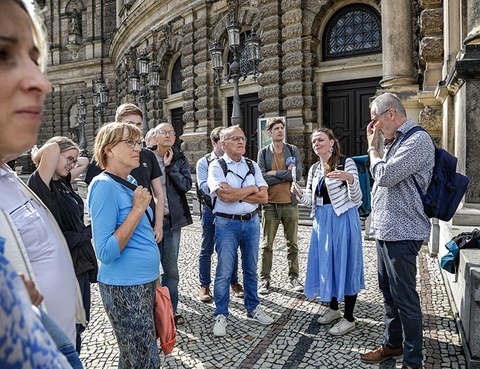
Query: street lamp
81	115
147	76
235	72
100	97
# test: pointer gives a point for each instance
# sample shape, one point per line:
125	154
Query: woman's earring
330	149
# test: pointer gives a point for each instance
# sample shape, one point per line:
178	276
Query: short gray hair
225	133
388	101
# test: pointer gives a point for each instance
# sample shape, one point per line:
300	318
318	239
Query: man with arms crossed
208	225
239	191
399	226
280	164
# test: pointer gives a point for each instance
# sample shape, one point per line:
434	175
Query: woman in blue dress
335	261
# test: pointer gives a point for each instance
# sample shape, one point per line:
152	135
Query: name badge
319	201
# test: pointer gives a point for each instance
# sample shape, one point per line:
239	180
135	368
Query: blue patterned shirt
397	209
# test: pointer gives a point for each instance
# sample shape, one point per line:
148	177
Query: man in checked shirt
399	226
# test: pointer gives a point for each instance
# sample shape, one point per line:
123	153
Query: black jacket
178	182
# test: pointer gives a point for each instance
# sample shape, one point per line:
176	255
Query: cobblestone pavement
295	340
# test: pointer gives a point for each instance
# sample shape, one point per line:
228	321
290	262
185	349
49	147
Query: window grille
177	77
353	30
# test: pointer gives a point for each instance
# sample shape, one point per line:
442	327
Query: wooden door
249	110
346	112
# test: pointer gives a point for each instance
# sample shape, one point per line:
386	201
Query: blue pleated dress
335	260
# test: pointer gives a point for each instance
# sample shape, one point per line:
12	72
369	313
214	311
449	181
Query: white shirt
50	262
236	177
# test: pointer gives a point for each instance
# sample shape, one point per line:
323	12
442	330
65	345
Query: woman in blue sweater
125	245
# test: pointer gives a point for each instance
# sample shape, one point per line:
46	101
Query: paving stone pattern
295	340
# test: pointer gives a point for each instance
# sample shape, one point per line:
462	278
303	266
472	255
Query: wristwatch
371	148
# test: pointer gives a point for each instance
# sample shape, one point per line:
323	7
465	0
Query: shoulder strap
251	168
412	131
223	165
207	157
341	164
133	188
407	135
290	149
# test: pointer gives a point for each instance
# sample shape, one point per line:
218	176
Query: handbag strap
133	188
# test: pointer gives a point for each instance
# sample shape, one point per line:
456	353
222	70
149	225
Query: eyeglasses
131	142
167	133
71	160
237	139
377	117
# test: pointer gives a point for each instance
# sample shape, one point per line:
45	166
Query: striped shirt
397	210
342	197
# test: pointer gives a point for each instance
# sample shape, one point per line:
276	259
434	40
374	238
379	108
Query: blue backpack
361	163
446	188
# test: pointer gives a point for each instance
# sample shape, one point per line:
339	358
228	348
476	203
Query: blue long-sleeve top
108	203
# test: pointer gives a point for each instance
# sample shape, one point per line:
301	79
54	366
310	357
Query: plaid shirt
397	209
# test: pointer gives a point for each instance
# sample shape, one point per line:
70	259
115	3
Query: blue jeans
397	271
206	249
169	248
229	235
64	345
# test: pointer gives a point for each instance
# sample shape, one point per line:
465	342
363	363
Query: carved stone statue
74	23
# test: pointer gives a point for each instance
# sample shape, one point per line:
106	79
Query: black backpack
446	188
205	198
251	168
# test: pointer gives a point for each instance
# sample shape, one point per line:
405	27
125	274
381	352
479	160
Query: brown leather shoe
205	295
237	290
381	353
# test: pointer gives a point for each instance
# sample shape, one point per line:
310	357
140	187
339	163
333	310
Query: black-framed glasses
237	139
166	133
131	142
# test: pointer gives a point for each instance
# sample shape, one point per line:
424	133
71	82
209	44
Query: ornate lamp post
100	97
147	76
252	45
81	115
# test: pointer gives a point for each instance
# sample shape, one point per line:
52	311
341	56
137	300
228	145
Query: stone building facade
322	61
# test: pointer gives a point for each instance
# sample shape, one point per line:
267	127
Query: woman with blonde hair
58	165
125	244
335	261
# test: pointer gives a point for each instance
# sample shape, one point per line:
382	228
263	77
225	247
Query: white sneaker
259	316
329	316
295	285
220	327
342	327
264	288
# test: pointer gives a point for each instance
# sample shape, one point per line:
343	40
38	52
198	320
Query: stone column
397	43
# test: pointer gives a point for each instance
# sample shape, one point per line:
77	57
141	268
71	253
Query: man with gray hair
240	187
176	182
399	225
208	224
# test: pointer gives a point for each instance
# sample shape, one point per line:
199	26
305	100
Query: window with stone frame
353	30
177	77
